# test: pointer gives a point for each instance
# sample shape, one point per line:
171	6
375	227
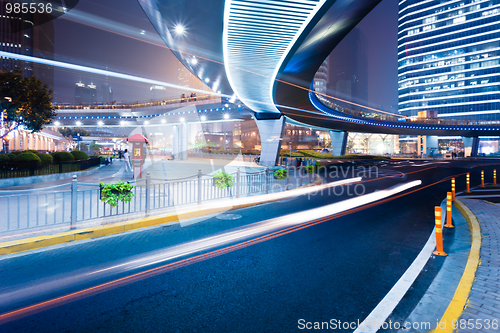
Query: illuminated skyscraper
448	53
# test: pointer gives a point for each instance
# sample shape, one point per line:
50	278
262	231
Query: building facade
448	58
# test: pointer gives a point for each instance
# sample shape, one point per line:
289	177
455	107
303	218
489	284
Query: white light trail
50	285
86	69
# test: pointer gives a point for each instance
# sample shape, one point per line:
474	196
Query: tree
69	132
24	102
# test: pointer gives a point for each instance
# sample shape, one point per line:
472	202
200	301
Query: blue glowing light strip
329	112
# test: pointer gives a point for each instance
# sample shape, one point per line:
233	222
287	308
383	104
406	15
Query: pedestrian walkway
483	307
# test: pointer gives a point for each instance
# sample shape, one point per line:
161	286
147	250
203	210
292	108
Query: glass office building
448	53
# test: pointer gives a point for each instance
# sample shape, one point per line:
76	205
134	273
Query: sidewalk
484	299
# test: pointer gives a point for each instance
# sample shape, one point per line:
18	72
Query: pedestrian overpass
266	53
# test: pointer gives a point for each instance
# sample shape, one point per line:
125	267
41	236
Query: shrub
62	156
46	159
223	180
17	152
79	155
4	158
112	193
309	169
280	174
27	157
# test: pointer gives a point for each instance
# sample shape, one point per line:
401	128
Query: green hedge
79	155
62	156
318	155
27	157
46	159
5	158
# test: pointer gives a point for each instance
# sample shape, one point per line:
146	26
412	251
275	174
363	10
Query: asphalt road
338	268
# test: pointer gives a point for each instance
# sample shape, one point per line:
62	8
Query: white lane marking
382	311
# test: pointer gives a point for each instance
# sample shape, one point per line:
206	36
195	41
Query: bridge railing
138	104
381	116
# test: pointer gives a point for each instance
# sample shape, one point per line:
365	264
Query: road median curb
33	243
460	299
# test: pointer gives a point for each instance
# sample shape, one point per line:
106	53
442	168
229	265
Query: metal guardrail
30	169
386	116
79	202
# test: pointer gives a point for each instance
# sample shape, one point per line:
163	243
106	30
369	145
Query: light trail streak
103	72
272	228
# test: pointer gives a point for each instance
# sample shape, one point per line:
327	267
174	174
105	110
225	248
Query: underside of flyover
267	53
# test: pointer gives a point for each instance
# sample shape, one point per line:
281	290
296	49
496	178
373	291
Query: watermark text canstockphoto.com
335	324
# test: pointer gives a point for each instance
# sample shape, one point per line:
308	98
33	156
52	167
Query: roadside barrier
448	211
482	178
468	183
453	189
439	233
494	176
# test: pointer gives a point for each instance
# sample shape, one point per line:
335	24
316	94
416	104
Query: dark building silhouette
22	34
348	69
85	94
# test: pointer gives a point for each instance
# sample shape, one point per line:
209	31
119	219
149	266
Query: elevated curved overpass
266	54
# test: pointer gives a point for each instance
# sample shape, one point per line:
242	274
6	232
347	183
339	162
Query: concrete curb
461	296
33	243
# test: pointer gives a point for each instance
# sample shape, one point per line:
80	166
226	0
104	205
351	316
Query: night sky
83	37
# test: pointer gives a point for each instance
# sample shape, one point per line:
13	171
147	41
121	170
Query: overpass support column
183	138
175	141
427	145
271	134
339	142
471	146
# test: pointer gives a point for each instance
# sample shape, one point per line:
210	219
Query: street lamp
179	29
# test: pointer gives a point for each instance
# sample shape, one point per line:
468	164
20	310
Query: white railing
76	202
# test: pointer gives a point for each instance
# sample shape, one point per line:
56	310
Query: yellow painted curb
38	242
461	296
